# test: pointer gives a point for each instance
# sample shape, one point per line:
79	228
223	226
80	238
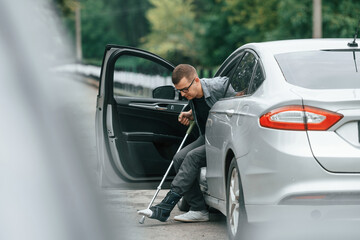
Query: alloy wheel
233	210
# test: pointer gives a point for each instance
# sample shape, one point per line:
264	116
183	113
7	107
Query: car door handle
170	107
230	112
148	106
157	107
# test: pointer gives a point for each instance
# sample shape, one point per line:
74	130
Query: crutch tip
142	220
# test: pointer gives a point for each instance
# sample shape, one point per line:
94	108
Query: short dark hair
181	71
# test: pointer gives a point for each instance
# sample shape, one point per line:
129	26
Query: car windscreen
335	69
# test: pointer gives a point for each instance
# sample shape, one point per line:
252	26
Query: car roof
299	45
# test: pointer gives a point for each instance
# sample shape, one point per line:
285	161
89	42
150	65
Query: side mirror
164	92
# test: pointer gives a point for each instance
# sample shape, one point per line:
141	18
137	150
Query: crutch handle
192	124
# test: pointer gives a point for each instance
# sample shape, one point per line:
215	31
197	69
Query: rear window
321	69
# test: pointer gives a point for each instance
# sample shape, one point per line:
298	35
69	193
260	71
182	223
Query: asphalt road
121	205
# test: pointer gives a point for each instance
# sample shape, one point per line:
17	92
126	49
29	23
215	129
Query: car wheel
236	216
183	205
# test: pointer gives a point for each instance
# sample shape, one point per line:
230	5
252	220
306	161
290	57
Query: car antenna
354	43
354	56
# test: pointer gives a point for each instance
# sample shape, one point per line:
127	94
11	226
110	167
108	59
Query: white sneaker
193	216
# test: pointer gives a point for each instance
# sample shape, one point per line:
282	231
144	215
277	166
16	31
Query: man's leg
180	156
186	183
193	196
186	180
162	210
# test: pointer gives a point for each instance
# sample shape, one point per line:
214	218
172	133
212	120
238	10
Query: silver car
285	147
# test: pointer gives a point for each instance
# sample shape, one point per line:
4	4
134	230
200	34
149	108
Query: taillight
298	117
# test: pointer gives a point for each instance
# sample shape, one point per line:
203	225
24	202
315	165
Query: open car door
136	117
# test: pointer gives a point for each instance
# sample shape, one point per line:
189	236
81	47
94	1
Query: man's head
186	80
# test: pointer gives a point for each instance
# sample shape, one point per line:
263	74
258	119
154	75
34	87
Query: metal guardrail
125	83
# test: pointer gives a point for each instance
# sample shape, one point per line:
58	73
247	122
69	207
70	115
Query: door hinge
99	102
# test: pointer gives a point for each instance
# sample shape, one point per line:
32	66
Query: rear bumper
274	213
276	222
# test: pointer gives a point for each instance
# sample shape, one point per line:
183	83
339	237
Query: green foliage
129	19
294	20
213	40
201	32
97	28
252	17
340	18
65	7
229	24
173	30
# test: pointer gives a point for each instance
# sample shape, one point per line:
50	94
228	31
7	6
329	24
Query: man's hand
186	117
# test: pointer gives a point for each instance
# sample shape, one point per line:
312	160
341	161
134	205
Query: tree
97	28
294	20
173	29
129	19
96	23
65	7
202	32
212	36
228	24
250	20
340	18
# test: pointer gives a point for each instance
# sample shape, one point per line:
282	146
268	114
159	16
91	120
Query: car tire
236	217
183	205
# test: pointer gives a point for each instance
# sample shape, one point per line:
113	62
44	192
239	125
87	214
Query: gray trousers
187	164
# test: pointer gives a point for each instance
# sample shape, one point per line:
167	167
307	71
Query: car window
336	69
230	67
138	77
257	79
240	80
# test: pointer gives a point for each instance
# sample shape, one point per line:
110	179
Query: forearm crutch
192	123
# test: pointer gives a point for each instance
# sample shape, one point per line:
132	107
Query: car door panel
225	114
147	133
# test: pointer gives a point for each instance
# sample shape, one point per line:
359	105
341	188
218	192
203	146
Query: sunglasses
186	89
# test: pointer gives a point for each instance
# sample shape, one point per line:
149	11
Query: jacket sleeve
219	88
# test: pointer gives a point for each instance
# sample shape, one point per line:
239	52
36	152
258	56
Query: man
202	95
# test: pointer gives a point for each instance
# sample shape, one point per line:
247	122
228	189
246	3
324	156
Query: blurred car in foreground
285	147
46	191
